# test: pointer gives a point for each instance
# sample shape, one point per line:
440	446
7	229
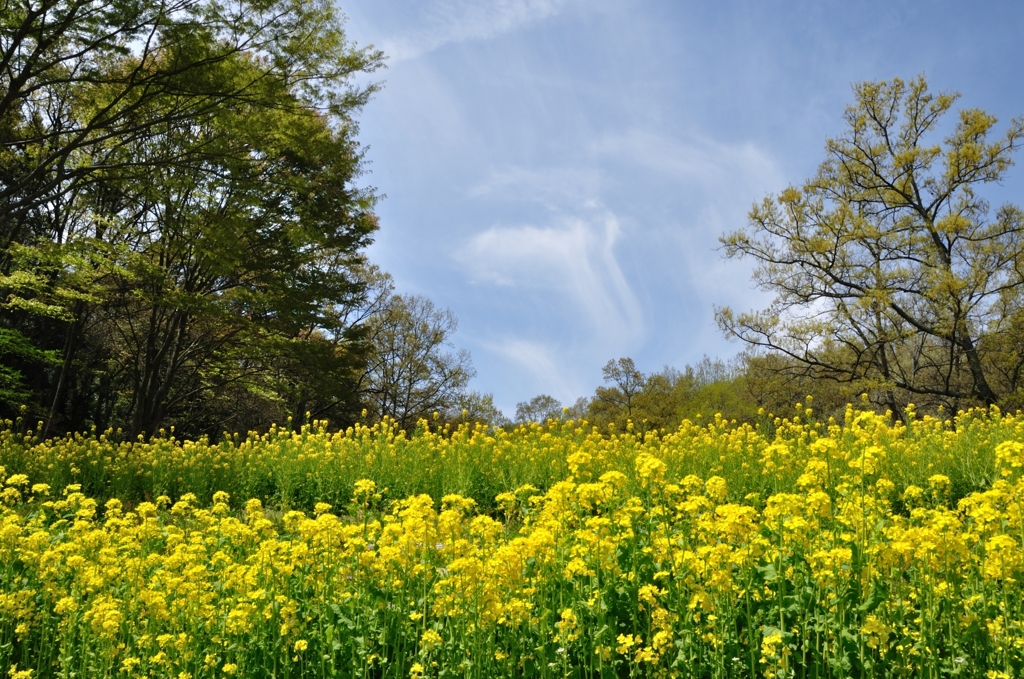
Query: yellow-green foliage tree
890	271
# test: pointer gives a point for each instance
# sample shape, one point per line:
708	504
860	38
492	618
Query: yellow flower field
798	548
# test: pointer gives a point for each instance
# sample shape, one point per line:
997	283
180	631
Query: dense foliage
182	228
803	548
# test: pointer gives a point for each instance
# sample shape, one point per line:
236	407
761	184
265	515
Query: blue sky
557	172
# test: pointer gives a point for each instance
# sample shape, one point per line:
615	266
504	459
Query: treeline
746	388
182	225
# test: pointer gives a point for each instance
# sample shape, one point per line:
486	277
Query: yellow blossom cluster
299	467
823	557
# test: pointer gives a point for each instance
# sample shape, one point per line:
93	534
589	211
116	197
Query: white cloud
620	275
713	174
573	258
453	21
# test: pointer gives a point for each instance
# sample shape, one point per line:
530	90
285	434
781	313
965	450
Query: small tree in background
412	372
476	407
625	384
540	409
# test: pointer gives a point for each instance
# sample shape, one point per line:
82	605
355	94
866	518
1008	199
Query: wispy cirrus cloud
570	262
717	182
556	187
726	169
707	186
453	21
604	281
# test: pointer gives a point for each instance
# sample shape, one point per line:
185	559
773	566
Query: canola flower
296	468
834	557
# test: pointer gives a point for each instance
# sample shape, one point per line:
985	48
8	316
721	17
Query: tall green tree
196	227
78	77
890	270
249	255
